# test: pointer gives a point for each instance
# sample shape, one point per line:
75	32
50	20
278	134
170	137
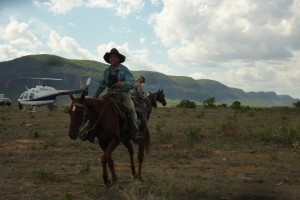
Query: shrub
209	103
297	104
65	108
264	134
223	105
200	115
236	105
193	133
186	104
288	136
46	175
34	134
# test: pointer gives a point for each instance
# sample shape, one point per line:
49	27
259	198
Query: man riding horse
118	79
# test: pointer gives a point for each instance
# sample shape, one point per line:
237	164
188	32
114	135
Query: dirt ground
195	154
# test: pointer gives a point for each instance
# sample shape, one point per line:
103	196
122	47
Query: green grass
46	175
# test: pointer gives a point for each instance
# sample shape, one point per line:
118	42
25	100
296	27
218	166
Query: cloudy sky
253	45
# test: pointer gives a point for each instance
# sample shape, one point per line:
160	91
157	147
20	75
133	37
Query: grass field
195	154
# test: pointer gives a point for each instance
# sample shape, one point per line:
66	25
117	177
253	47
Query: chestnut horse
109	127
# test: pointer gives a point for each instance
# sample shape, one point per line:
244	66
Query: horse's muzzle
73	135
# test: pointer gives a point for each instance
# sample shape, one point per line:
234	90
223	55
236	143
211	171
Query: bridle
85	115
85	118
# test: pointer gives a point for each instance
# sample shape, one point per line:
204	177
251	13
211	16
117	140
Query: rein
100	115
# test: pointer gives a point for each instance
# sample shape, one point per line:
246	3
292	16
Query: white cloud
68	46
8	52
101	3
137	59
227	30
156	2
197	75
71	24
142	40
59	6
245	44
20	34
121	7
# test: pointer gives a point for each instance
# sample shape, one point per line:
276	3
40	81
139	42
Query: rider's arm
102	84
127	80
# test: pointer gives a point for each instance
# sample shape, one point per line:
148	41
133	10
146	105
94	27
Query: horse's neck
152	100
95	105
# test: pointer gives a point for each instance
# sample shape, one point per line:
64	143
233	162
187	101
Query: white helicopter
45	95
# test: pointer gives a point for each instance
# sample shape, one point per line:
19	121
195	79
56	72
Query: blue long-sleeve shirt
124	76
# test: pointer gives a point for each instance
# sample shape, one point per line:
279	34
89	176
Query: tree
186	104
236	105
209	103
297	104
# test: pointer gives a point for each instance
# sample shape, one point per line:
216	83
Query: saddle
116	99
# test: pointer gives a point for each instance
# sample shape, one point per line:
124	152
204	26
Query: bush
186	104
193	133
297	104
264	134
209	103
65	108
236	105
46	175
288	136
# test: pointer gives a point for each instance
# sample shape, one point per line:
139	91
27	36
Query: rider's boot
136	135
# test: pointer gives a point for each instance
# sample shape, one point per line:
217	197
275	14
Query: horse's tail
147	140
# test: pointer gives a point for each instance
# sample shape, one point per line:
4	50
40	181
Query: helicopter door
31	95
25	95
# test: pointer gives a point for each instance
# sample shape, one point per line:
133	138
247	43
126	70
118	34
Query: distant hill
73	72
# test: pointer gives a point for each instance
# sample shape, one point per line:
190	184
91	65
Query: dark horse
109	127
151	101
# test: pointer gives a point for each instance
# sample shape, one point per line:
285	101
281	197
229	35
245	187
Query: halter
78	104
100	115
84	119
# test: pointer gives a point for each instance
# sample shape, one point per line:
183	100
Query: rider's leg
127	101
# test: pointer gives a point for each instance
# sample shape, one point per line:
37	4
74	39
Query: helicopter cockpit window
31	95
25	95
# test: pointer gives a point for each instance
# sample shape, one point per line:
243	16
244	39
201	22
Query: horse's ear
71	96
158	90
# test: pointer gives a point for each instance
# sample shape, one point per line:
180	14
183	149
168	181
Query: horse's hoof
109	185
139	178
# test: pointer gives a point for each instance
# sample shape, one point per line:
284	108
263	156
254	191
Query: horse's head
160	96
76	112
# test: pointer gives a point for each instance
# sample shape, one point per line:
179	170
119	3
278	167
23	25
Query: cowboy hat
113	51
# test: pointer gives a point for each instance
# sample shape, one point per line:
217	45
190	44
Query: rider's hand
119	84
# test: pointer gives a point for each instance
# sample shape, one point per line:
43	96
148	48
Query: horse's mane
94	104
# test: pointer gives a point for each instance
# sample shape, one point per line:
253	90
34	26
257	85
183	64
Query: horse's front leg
106	158
129	147
112	170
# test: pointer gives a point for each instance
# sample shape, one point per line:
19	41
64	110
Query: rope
95	124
